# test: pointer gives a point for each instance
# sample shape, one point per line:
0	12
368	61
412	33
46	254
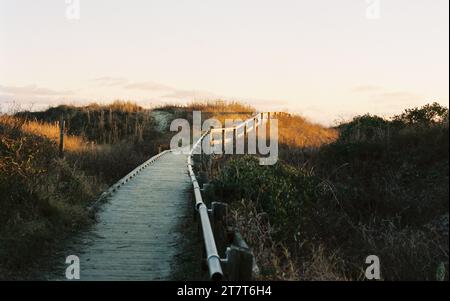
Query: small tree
426	115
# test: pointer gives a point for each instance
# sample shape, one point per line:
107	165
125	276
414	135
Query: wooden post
240	264
255	128
240	260
245	137
239	241
223	142
61	136
234	139
211	141
219	225
202	158
210	165
203	179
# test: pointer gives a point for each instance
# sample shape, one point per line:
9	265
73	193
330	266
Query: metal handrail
212	256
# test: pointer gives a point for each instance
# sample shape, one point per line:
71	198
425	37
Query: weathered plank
136	236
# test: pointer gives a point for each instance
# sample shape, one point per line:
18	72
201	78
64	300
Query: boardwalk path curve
136	235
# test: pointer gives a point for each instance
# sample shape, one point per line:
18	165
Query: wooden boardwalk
136	236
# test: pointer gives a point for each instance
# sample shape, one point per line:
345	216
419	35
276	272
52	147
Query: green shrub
283	192
375	190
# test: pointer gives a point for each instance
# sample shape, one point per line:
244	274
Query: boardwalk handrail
212	256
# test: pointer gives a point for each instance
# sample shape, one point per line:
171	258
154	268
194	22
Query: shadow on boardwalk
144	231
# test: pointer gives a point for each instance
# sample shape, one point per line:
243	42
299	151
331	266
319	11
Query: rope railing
213	259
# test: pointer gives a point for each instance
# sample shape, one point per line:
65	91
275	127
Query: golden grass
51	131
293	130
117	105
47	130
223	110
221	106
296	131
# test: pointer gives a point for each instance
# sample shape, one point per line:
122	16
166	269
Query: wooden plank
135	237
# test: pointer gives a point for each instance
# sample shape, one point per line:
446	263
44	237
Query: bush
283	192
427	115
44	198
377	189
41	198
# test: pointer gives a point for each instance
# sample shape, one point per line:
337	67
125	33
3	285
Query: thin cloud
149	86
366	89
398	97
170	92
189	94
110	81
382	95
32	90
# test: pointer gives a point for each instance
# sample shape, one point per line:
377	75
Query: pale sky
324	59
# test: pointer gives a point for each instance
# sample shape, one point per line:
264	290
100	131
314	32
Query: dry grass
295	131
51	131
118	105
218	109
220	106
380	188
47	130
323	267
44	198
274	259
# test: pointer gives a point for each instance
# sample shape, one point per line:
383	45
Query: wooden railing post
239	264
61	136
239	259
245	138
223	141
234	139
211	138
219	213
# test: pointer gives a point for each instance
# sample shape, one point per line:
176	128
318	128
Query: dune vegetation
44	198
368	186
